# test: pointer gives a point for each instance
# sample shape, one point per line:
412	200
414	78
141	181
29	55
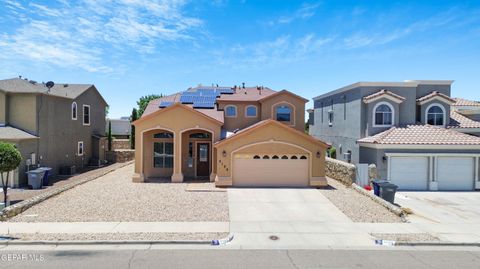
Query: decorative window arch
284	157
74	111
231	111
251	111
283	113
303	157
294	157
435	115
266	157
256	157
383	115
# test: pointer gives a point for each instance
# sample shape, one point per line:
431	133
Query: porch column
138	176
477	182
177	175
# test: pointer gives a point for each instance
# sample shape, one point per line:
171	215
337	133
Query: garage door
271	171
409	173
455	173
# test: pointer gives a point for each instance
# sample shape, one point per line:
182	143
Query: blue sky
132	48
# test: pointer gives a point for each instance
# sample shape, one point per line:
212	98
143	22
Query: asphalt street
217	258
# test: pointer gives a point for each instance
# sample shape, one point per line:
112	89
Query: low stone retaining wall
18	208
392	208
341	171
120	144
120	155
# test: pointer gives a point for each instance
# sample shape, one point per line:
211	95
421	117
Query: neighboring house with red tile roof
419	137
235	136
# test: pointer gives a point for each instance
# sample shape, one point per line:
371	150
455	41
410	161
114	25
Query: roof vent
243	85
65	85
20	76
33	82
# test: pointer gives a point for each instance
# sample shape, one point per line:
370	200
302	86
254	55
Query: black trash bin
376	185
387	192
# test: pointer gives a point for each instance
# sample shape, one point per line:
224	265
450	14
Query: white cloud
82	34
304	12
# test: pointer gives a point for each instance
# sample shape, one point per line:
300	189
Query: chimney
20	77
259	90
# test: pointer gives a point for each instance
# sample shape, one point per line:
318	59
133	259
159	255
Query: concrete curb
18	208
104	242
436	244
392	208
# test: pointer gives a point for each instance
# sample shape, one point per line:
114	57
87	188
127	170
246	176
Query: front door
203	159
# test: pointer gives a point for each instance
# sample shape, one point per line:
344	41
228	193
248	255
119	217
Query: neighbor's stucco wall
269	139
297	105
169	120
26	148
241	121
22	112
3	108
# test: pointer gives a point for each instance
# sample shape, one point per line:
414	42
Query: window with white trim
435	115
86	115
251	111
80	148
383	115
230	111
74	111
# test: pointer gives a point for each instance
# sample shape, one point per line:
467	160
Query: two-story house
416	134
240	136
60	126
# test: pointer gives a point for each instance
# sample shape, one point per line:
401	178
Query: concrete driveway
442	207
300	218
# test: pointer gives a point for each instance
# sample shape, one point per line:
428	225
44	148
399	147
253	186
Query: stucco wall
298	113
60	134
270	139
3	108
241	120
22	112
26	147
168	119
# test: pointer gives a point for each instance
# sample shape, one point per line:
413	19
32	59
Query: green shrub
333	153
10	159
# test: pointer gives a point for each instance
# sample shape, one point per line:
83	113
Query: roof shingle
383	92
458	121
465	102
434	94
11	133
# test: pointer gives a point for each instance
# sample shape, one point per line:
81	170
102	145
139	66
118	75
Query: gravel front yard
114	197
119	236
420	237
356	206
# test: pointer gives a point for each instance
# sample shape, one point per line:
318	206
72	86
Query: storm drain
274	237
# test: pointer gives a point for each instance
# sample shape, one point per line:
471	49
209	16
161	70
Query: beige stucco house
241	136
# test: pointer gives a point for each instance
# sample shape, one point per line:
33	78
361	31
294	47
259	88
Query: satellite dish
50	84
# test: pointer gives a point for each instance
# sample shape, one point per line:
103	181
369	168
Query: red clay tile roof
421	135
458	121
247	94
465	102
434	94
383	92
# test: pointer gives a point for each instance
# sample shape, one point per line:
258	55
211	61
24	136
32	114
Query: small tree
10	159
109	135
133	118
333	153
143	102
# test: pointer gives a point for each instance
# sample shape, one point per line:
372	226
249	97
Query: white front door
409	173
455	173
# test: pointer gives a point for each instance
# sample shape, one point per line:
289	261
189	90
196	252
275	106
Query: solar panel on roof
226	91
204	105
165	104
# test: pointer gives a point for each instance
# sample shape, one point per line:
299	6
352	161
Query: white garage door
260	172
409	173
455	173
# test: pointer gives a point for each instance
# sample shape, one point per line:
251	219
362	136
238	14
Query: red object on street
367	187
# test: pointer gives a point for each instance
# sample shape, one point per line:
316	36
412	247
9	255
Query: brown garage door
271	170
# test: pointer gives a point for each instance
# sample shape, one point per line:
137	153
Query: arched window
251	112
293	157
256	157
303	158
283	113
284	157
266	157
275	157
200	135
74	111
163	135
230	111
383	115
435	115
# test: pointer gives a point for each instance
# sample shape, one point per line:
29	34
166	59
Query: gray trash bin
35	178
387	192
46	175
